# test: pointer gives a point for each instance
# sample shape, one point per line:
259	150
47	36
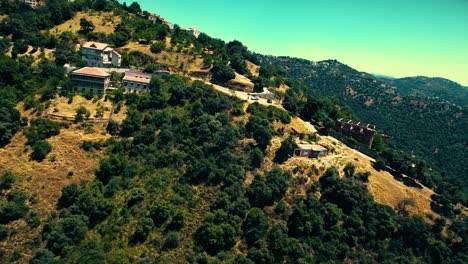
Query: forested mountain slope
421	86
431	128
183	173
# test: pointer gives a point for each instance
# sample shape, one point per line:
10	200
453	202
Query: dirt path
242	95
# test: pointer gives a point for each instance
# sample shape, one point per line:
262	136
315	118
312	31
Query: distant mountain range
422	86
383	76
418	112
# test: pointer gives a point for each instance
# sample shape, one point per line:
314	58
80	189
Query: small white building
153	17
136	82
32	3
97	54
192	30
159	19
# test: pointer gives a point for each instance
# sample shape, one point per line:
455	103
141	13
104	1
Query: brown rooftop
90	71
313	147
136	79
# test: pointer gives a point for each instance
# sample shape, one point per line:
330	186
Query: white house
37	3
97	54
194	31
136	82
159	19
32	3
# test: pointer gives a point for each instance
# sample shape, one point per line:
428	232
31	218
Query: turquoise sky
392	37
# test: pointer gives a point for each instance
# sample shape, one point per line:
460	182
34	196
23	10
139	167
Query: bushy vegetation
144	197
7	180
12	206
157	47
436	158
173	185
36	133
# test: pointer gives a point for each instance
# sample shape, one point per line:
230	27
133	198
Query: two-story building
136	82
97	54
192	30
90	79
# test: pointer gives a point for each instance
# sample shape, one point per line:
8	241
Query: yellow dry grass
253	68
104	22
60	106
241	83
169	59
283	88
43	181
382	185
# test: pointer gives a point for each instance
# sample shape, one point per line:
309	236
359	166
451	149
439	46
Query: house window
144	86
125	84
305	152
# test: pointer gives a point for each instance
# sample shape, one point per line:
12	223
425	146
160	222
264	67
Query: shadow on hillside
398	176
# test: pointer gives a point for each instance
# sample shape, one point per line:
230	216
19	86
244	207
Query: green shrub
33	219
285	151
82	113
222	73
157	47
172	241
4	232
86	145
40	150
14	208
7	180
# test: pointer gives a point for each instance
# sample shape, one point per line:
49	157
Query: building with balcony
97	54
90	79
136	82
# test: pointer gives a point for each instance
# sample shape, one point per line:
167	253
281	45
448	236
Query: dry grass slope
43	181
104	22
382	185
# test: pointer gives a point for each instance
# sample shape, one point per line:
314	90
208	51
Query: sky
398	38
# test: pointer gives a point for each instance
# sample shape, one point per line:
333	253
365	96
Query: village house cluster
192	30
37	3
94	78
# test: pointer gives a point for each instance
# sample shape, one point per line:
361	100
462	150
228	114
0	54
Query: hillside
431	128
192	171
432	87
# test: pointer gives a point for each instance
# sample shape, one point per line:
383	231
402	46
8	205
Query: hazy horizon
396	38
